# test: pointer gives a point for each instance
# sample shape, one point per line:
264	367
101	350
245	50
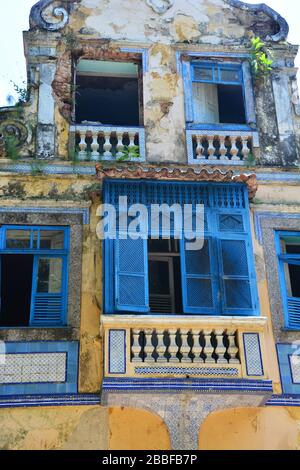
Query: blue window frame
288	255
210	89
219	279
48	248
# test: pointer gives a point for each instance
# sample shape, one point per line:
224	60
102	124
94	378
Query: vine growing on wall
261	61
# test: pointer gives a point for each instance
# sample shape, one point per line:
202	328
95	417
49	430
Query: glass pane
292	279
51	240
49	275
18	239
203	73
159	277
230	75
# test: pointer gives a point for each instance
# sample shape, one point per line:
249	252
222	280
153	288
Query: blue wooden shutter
48	309
131	275
292	304
236	282
199	279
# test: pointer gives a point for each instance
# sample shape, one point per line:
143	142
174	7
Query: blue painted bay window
218	95
288	253
162	276
34	275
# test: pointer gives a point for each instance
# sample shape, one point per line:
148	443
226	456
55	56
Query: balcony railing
223	147
102	143
184	346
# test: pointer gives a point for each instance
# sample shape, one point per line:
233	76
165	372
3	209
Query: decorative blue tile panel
28	401
185	371
37	368
283	400
289	365
181	385
117	352
253	356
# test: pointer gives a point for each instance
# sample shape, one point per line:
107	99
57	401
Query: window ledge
40	334
186	320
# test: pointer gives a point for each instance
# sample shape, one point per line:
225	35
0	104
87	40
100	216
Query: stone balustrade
226	148
100	143
184	346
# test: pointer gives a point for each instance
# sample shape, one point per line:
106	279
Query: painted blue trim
284	350
260	355
30	401
290	321
284	400
221	127
181	385
216	69
144	53
71	348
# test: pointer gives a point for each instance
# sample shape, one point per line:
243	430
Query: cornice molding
263	8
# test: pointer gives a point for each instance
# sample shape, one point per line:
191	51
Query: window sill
65	333
187	320
221	127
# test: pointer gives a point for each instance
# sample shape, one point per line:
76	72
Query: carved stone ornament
60	14
15	129
160	6
261	7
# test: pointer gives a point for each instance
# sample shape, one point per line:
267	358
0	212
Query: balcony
221	147
106	143
185	346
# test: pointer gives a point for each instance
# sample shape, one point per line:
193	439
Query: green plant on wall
261	63
129	153
11	148
22	92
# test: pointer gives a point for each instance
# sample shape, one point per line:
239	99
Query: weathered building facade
156	100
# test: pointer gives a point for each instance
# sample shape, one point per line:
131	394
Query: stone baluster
220	348
95	147
131	145
136	347
185	348
199	148
161	347
211	148
82	146
148	348
173	348
208	348
245	149
234	150
223	149
232	349
120	146
107	145
197	348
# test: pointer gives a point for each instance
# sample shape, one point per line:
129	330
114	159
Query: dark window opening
165	294
231	104
16	286
108	100
294	280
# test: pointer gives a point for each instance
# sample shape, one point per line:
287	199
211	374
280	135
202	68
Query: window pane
52	240
203	73
159	277
49	275
18	239
230	75
292	278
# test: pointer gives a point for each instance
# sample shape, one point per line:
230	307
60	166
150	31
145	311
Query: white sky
14	20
